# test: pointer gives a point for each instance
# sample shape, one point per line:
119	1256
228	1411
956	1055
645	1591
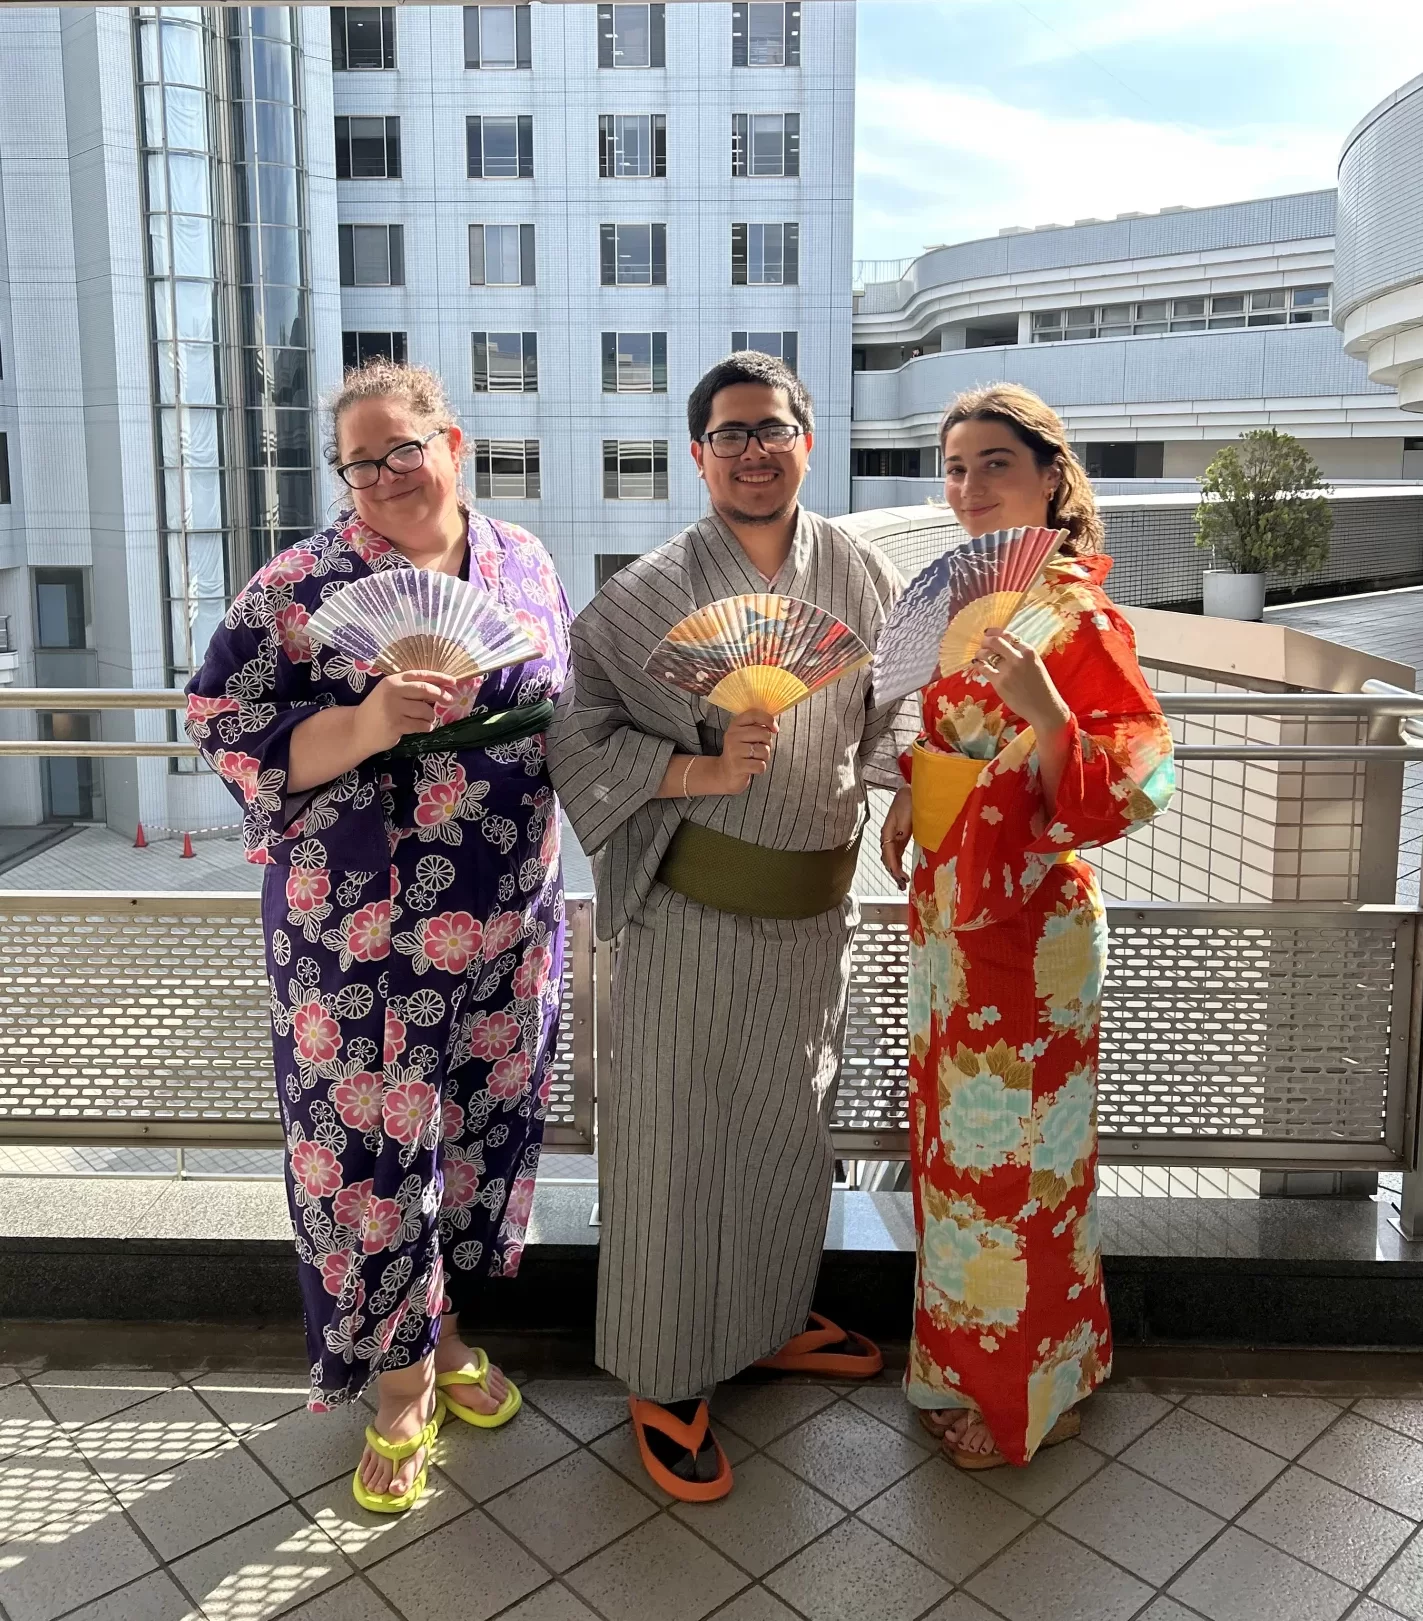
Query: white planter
1233	596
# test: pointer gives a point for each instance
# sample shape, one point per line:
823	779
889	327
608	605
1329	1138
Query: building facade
569	211
1158	338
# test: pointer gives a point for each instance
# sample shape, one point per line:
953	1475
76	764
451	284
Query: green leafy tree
1264	506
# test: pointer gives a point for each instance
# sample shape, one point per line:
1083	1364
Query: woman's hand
895	835
745	752
400	704
1019	677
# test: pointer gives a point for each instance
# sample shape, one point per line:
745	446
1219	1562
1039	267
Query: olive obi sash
751	880
476	731
939	787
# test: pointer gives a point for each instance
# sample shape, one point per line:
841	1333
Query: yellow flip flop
477	1373
397	1452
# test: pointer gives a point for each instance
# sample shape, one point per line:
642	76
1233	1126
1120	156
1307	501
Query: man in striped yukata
723	851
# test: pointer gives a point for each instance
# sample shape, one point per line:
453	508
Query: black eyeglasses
404	458
777	437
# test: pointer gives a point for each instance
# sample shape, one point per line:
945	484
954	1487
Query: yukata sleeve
890	728
1119	774
605	767
253	690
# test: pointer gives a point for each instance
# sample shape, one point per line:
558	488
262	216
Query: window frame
528	361
388	63
610	138
394	253
528	253
345	145
610	343
474	143
743	146
606	23
396	351
610	252
474	59
789	339
483	452
790	34
614	474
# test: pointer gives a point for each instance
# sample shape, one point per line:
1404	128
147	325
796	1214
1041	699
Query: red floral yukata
1007	955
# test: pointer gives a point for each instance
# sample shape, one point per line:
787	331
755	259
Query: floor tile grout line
1417	1537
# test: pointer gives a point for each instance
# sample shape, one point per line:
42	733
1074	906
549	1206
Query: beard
734	514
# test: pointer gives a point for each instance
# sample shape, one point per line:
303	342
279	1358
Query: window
372	255
1143	459
500	148
506	363
368	149
634	469
359	348
4	469
506	469
498	37
632	36
633	255
914	463
59	607
634	362
362	38
501	256
765	255
765	35
783	345
632	146
1217	312
765	145
607	564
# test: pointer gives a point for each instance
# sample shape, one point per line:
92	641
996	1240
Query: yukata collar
729	552
486	550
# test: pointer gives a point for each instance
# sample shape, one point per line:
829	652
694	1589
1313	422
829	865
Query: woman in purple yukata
413	914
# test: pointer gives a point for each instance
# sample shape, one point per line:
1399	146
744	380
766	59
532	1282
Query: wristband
686	774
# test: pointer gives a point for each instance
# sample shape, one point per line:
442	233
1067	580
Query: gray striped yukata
714	1149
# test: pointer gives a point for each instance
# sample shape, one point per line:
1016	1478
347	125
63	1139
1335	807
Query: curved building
1378	303
1159	338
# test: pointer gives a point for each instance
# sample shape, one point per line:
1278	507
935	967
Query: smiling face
758	486
400	504
992	479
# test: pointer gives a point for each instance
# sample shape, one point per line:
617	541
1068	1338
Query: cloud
936	163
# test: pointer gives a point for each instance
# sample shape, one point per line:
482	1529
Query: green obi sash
476	731
750	880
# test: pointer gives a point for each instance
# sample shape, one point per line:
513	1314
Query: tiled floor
128	1496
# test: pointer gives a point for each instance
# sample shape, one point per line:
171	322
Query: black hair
748	366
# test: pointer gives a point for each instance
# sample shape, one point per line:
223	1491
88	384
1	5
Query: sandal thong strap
814	1339
472	1373
399	1451
688	1436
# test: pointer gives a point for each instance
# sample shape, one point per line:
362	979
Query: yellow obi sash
939	785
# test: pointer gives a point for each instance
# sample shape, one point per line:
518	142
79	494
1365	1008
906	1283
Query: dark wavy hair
1034	423
748	366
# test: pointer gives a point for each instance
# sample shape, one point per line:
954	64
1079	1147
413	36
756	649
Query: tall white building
569	211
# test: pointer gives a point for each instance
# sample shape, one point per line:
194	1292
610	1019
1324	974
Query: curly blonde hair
414	386
1073	506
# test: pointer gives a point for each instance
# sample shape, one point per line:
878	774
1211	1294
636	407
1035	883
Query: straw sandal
397	1452
1068	1426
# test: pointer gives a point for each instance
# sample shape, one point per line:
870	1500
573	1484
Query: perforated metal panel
1229	1033
129	1018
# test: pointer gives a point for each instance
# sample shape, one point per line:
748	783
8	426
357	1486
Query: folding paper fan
757	652
937	625
412	619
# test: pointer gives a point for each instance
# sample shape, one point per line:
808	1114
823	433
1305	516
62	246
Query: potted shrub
1264	510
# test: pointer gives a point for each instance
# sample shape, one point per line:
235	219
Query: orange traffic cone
187	847
140	843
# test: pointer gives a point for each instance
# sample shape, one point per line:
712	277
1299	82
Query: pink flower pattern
390	910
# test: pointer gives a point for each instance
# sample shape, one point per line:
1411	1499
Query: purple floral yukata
413	916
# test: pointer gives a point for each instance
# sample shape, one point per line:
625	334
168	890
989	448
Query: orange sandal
1068	1426
807	1353
649	1415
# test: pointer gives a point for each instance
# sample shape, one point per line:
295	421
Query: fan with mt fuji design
757	652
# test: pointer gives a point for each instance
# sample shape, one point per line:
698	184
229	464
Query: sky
1055	110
